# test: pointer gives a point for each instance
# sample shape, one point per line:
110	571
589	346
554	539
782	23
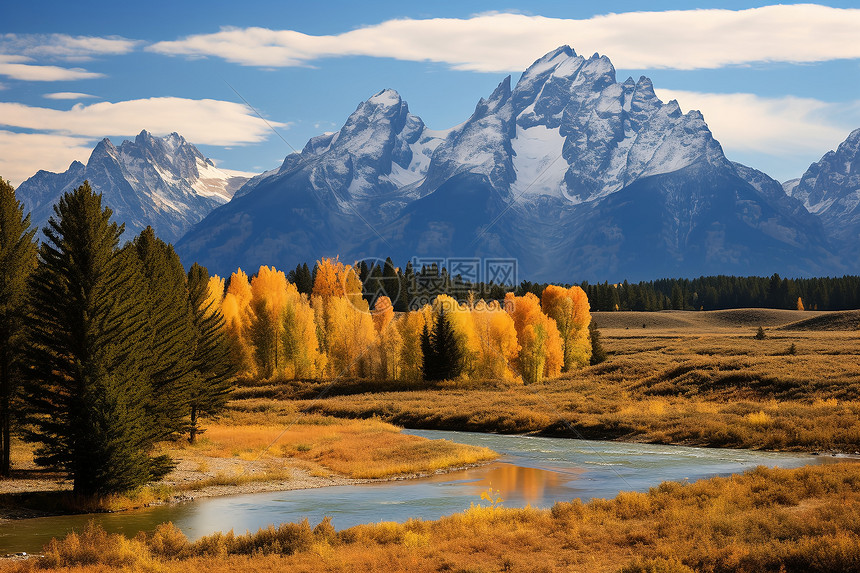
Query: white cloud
68	95
679	39
13	66
67	135
789	125
64	46
23	154
205	121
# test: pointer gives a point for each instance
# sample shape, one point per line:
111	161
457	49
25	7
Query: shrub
168	541
95	546
657	565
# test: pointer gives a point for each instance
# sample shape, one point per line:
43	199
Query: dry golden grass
354	448
801	520
688	378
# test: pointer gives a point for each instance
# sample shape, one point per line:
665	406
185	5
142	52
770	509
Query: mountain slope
574	175
163	182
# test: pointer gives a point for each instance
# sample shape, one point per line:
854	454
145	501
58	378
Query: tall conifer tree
169	334
88	386
443	358
213	357
17	261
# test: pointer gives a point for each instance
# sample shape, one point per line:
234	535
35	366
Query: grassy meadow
693	378
674	377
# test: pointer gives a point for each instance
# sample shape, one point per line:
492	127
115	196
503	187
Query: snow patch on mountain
538	162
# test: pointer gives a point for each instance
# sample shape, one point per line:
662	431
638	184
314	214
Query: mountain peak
595	178
144	137
162	182
502	92
386	98
830	188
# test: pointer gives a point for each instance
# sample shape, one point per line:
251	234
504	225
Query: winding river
532	471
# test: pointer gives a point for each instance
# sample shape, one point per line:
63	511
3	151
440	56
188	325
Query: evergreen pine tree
407	289
169	334
88	387
598	353
390	281
429	361
17	261
447	348
214	366
443	359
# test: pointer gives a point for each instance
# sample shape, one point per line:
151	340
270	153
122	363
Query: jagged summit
569	171
164	182
830	189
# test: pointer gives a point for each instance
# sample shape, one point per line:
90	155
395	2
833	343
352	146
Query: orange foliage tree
541	354
570	309
302	355
389	343
237	315
497	342
268	301
409	327
344	325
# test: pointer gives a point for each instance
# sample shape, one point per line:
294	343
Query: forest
405	285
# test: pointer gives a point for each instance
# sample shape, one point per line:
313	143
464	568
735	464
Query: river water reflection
532	471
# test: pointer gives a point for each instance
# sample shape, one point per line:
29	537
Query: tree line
332	330
721	292
105	349
405	285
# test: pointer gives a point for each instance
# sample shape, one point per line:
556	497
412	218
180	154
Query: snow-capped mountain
164	182
573	174
830	189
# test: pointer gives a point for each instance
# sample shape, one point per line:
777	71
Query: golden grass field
361	449
694	378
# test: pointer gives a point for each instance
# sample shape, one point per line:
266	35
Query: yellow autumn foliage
570	309
541	351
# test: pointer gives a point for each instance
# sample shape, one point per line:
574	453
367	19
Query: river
532	471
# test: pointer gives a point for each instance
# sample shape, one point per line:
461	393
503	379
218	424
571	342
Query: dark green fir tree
598	353
88	383
214	364
443	359
169	335
17	261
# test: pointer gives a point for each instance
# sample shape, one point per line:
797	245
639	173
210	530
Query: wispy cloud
789	125
66	135
23	154
13	66
68	95
496	42
206	121
64	46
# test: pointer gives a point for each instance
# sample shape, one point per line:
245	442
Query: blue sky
778	85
